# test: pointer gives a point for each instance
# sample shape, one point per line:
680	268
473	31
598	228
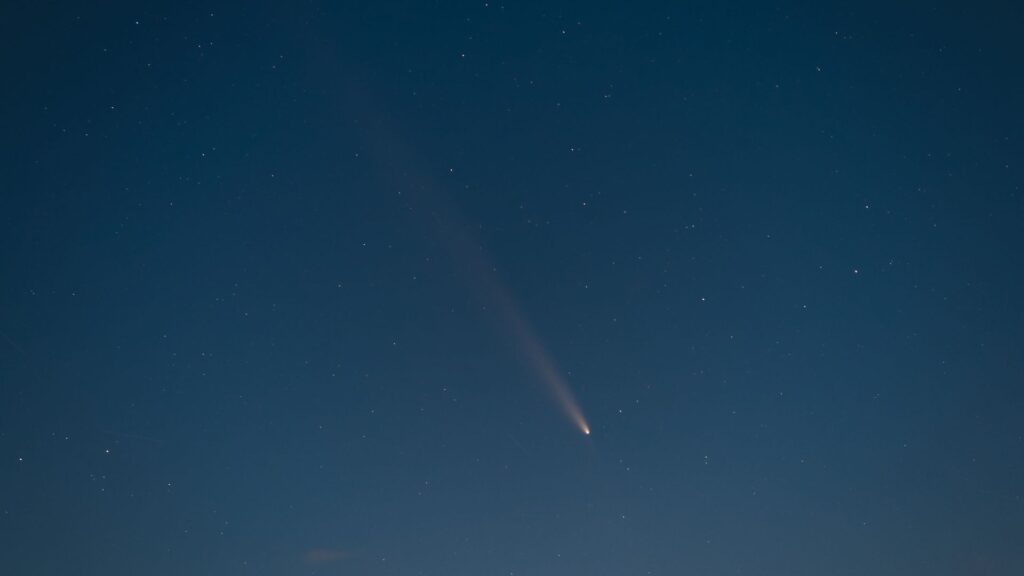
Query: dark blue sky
277	283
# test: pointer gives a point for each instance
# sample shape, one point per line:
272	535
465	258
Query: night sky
468	289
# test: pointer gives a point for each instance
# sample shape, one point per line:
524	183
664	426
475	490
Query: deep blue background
776	249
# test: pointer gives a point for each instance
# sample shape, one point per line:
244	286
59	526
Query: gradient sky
290	288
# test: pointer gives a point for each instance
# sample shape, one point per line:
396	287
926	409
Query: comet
540	360
424	197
